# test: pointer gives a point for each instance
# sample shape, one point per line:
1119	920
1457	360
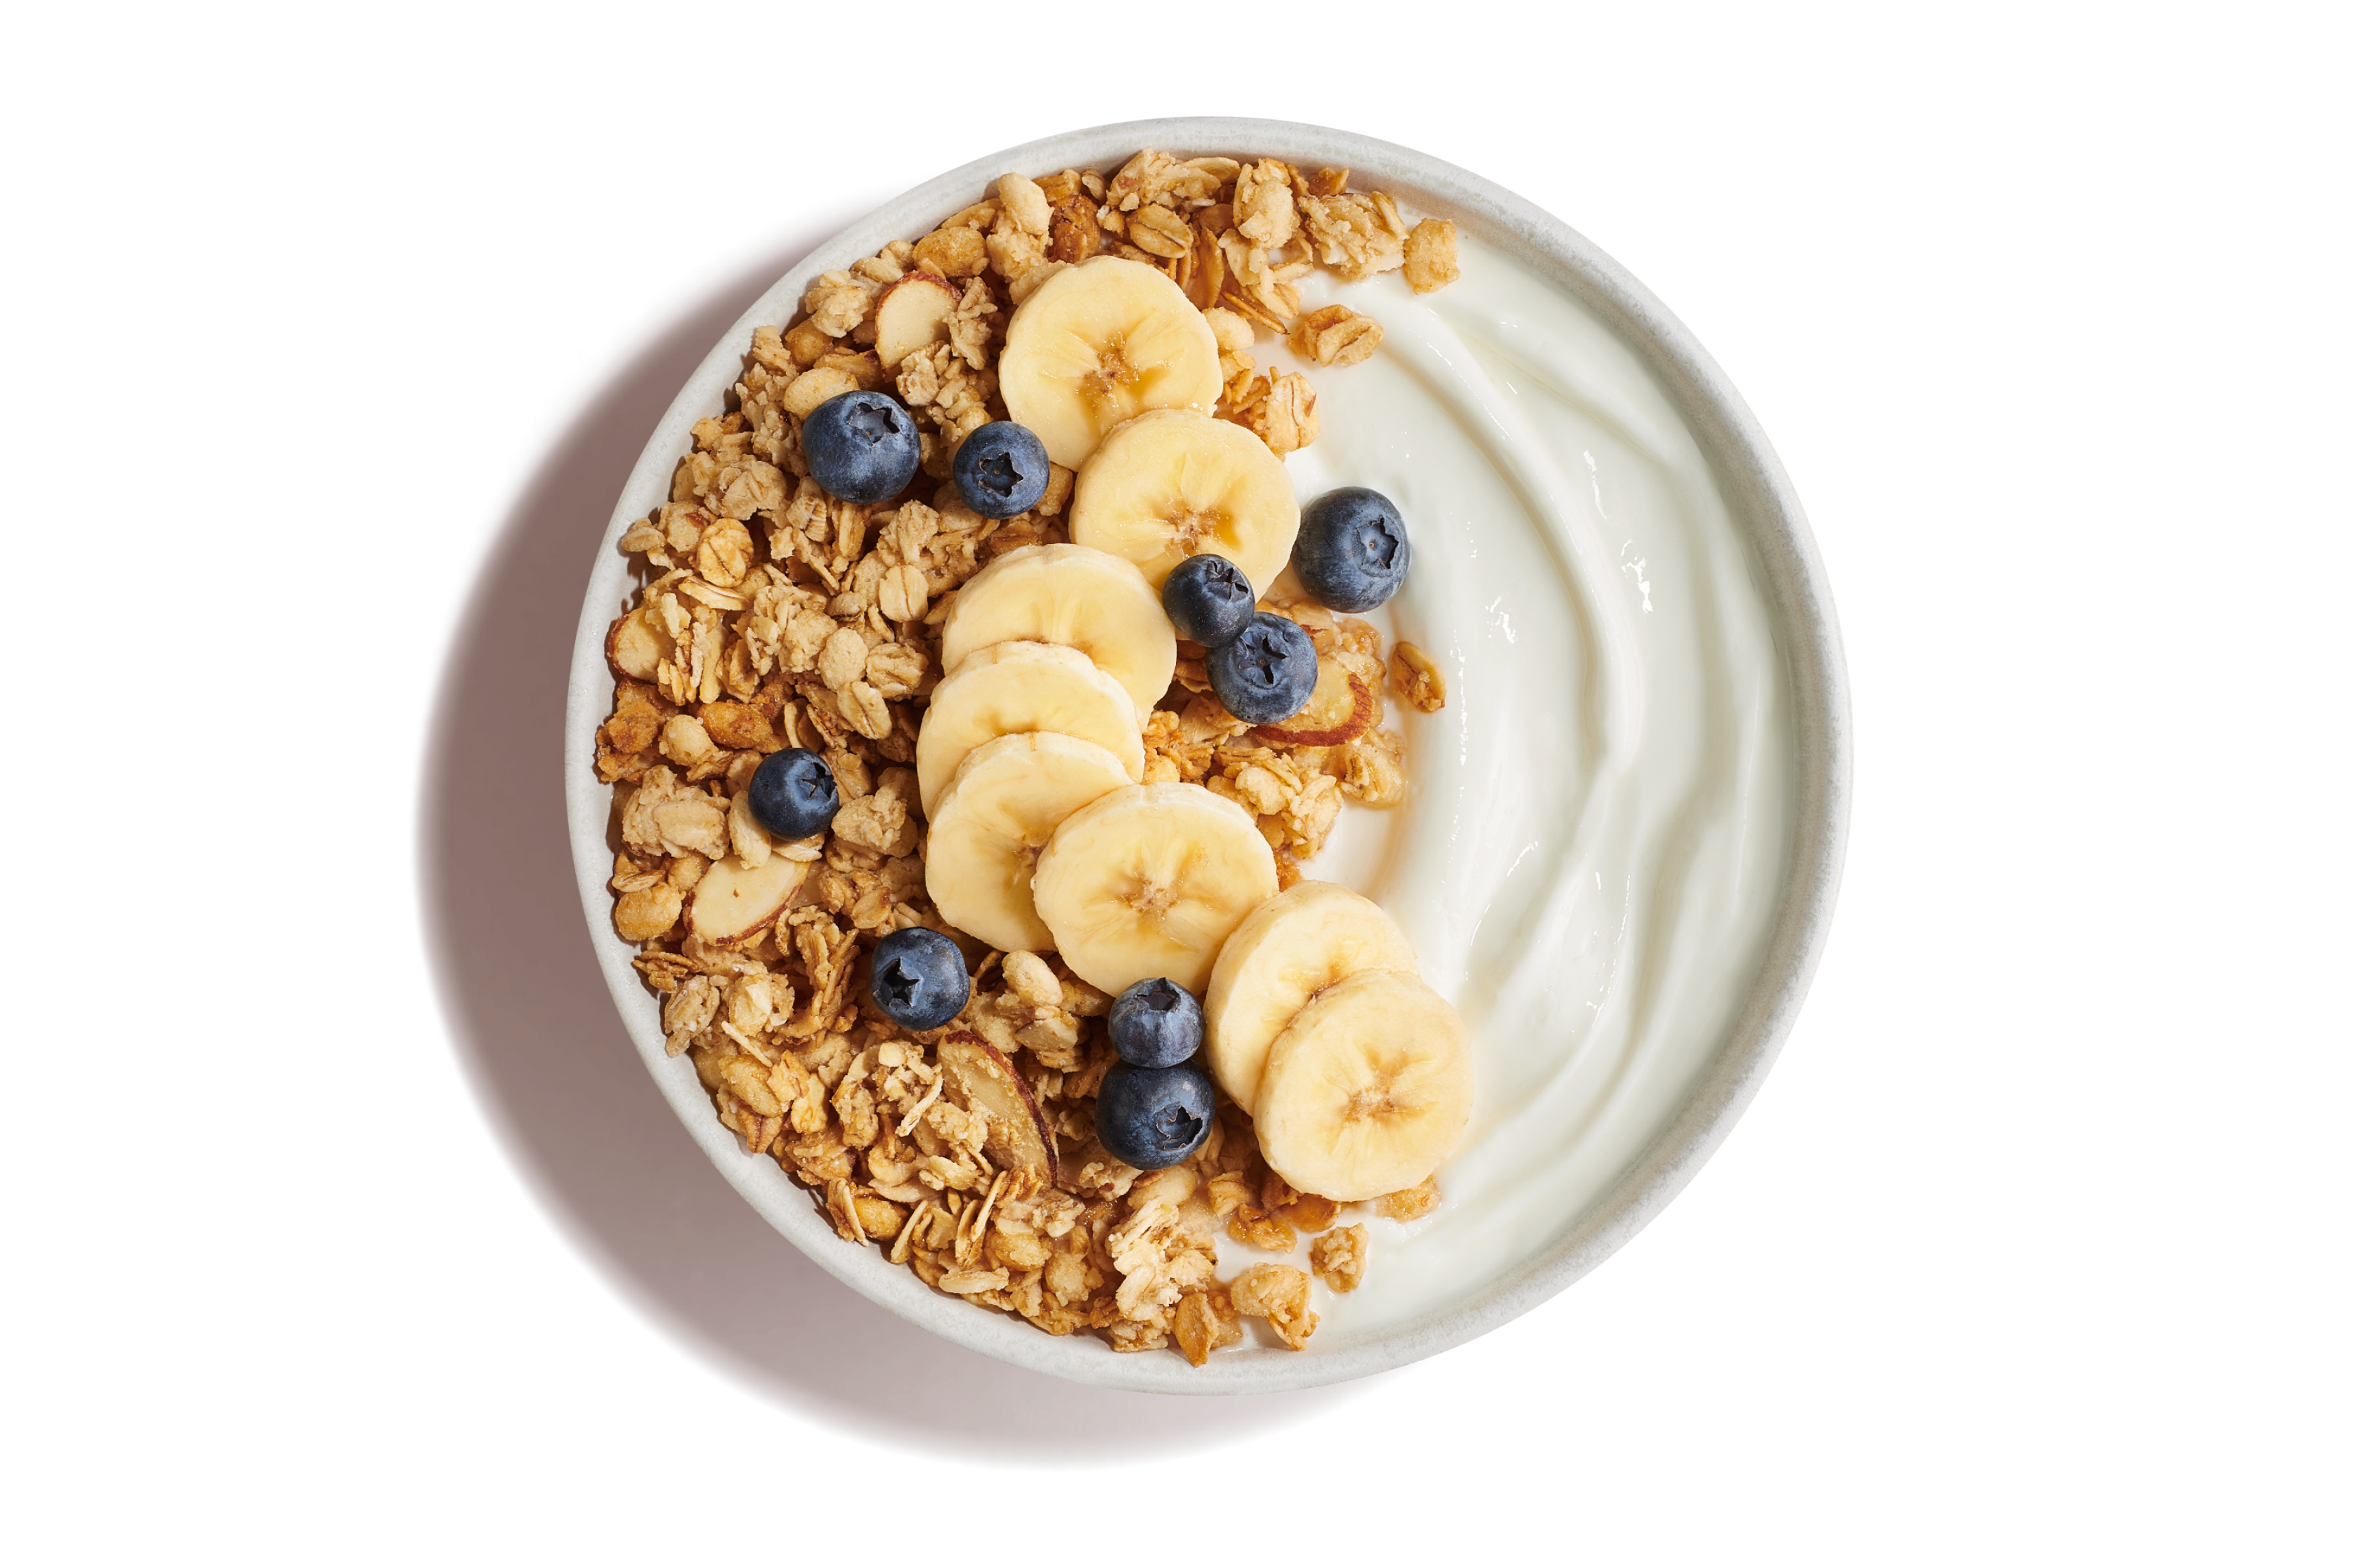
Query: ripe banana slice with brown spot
1017	686
1063	594
1173	483
1100	343
1288	950
1367	1090
1005	801
1148	882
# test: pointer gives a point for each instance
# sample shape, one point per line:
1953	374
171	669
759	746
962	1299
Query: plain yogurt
1592	849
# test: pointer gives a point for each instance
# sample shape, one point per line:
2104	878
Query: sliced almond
1155	229
637	646
1203	281
726	601
1020	1134
1339	711
913	314
735	901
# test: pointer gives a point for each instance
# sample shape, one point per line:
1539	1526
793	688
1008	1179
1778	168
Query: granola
771	614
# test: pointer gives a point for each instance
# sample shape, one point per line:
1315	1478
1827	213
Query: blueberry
1208	599
1351	551
918	977
1156	1023
793	793
1266	671
1002	469
1152	1118
862	447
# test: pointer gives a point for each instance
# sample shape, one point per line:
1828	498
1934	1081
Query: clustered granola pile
776	614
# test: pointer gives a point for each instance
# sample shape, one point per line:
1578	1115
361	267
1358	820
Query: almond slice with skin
637	646
735	901
914	313
1340	709
987	1084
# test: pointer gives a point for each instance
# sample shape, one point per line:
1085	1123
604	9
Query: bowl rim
1751	479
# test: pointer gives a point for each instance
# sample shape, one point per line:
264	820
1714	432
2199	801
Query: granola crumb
1278	1294
1280	409
1335	336
1430	257
1418	680
1411	1204
1338	1256
1263	1232
1355	235
648	912
1205	1323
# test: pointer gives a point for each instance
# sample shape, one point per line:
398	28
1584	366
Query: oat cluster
1295	793
774	614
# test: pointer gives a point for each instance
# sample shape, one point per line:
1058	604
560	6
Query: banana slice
1173	483
1098	344
1006	800
1367	1090
1062	594
1288	950
1023	685
1148	881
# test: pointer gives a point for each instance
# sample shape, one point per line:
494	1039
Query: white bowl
1746	470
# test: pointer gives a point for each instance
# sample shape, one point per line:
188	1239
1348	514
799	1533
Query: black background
1799	1257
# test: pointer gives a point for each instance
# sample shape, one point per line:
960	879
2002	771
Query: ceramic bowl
1814	812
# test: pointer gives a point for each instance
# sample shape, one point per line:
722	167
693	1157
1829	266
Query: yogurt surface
1592	849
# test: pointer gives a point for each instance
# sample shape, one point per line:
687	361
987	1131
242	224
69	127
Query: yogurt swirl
1593	847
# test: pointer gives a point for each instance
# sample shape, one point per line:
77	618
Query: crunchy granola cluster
1294	793
1237	237
774	614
